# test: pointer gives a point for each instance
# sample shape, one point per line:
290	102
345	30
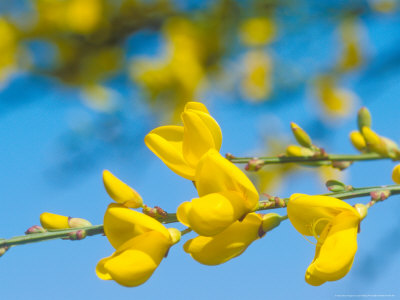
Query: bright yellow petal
121	224
310	214
197	138
211	214
135	261
120	191
166	143
225	177
226	245
337	248
53	221
196	106
212	126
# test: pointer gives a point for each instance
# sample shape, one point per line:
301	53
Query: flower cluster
224	214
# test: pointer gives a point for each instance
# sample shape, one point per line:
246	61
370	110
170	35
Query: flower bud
175	235
229	156
362	210
358	141
294	150
341	165
396	174
374	142
391	147
77	235
335	186
120	191
363	118
3	250
301	136
380	195
78	222
53	221
254	164
269	222
35	229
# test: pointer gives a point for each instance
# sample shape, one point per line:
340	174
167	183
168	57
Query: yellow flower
140	241
226	195
54	221
120	191
231	242
334	224
257	31
358	140
181	147
396	174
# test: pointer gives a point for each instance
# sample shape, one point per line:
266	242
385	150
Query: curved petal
53	221
225	177
211	214
122	224
136	260
212	126
310	214
196	106
335	251
197	138
226	245
120	191
166	142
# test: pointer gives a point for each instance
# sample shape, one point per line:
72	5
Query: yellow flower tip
358	140
53	221
120	191
175	235
373	141
362	210
396	174
196	106
301	136
228	244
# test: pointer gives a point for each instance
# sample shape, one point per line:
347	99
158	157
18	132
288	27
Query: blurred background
83	81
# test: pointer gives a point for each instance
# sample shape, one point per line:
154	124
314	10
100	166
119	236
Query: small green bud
301	136
3	250
363	118
35	229
77	235
269	222
254	164
379	195
335	186
175	235
341	165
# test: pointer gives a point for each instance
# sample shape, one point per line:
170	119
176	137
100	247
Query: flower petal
53	221
211	214
196	106
135	261
120	191
122	224
197	138
310	214
226	245
335	250
225	177
166	143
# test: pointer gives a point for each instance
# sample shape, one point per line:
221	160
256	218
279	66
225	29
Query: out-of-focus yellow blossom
256	84
140	241
181	147
120	191
351	56
384	6
257	31
180	72
334	224
54	221
78	16
98	98
233	241
396	174
8	49
226	195
380	144
335	101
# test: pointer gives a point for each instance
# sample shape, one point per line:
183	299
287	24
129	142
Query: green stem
171	218
299	159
